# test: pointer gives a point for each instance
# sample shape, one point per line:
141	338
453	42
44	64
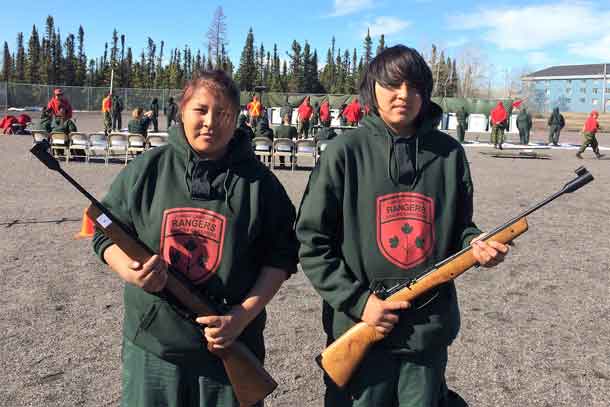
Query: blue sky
505	38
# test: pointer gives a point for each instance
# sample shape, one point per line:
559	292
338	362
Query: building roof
571	70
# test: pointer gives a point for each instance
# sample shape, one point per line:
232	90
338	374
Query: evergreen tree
317	88
33	58
217	34
276	82
58	60
308	73
246	74
260	65
368	48
71	61
20	59
295	81
381	45
81	69
159	80
7	64
327	76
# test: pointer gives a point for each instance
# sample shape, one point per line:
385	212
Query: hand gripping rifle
251	382
341	358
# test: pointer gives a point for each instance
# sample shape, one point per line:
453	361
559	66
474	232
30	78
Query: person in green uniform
589	131
242	124
214	213
154	108
461	117
140	121
62	124
384	204
524	124
170	111
286	131
556	122
46	120
117	112
499	123
286	109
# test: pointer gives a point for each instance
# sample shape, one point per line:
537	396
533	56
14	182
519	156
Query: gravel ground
534	330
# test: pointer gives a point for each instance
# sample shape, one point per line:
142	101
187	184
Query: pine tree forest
46	58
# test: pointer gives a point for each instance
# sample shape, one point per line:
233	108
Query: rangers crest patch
405	228
192	241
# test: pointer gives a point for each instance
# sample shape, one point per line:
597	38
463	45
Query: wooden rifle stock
341	358
251	382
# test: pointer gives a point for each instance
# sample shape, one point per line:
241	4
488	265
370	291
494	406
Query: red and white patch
192	241
405	228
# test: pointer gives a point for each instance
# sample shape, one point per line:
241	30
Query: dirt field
534	330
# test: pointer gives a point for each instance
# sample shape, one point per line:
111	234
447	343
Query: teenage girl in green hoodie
386	202
212	211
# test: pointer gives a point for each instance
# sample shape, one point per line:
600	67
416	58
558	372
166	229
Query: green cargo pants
589	139
497	136
461	131
152	382
385	379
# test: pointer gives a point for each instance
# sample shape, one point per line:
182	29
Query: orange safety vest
254	108
106	104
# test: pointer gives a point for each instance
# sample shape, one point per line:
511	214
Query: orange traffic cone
87	228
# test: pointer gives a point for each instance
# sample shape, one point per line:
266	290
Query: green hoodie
360	228
237	219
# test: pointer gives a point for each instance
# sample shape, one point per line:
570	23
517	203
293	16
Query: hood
428	122
211	179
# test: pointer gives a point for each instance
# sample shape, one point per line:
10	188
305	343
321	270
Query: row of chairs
269	151
123	146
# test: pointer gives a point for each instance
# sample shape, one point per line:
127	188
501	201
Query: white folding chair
136	144
78	147
263	147
59	143
155	141
98	147
117	146
283	147
305	148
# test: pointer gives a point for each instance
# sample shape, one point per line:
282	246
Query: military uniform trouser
303	130
117	121
170	120
388	380
155	122
152	382
107	122
461	132
524	136
589	139
497	136
554	134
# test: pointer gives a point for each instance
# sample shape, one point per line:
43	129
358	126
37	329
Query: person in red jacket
106	109
588	135
353	113
59	105
325	113
499	122
304	114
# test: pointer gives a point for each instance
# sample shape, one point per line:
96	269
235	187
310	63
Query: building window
547	91
594	91
568	91
594	101
583	90
569	81
583	81
568	100
583	100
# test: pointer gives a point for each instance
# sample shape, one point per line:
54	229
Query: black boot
578	155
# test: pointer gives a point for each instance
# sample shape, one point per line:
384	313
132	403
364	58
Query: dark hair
392	67
216	81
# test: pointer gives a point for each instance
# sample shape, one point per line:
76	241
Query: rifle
342	357
251	382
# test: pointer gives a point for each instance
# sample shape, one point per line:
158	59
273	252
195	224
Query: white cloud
537	26
345	7
538	58
597	49
385	25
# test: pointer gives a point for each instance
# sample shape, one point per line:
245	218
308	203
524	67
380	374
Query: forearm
267	285
117	259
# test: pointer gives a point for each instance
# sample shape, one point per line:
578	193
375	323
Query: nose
209	119
404	90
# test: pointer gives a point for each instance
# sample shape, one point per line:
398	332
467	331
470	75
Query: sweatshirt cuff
469	234
358	301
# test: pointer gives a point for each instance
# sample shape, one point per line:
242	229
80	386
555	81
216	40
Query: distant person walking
305	112
524	124
353	113
556	123
106	109
117	112
255	109
325	113
461	117
171	112
499	121
589	131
